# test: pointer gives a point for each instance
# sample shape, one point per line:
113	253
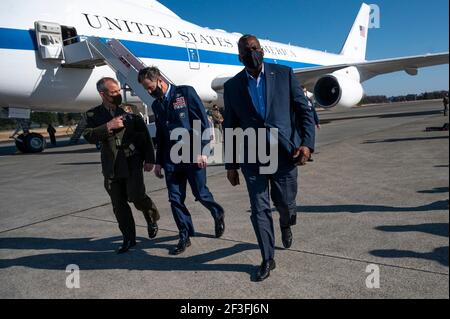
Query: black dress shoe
219	226
286	236
152	230
126	246
264	271
181	247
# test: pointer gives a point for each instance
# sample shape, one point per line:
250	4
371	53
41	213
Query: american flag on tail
362	30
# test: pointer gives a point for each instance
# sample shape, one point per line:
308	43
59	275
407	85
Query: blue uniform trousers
176	183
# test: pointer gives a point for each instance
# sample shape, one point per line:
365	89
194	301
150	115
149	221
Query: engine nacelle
338	90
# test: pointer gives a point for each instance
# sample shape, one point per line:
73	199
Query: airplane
35	76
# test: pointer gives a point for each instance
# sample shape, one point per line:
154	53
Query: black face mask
116	99
253	60
158	93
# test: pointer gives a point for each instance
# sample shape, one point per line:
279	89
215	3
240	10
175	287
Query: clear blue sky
408	27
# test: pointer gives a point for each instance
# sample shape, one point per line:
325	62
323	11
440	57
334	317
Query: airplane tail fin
356	43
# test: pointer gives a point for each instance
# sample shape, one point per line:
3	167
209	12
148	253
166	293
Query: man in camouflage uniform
126	150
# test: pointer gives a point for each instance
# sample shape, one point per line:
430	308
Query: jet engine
338	90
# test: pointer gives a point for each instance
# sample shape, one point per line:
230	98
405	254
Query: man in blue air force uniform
177	107
268	96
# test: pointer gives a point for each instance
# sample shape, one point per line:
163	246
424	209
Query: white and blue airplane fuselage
186	53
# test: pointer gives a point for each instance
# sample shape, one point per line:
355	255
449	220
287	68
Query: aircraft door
193	56
69	35
49	40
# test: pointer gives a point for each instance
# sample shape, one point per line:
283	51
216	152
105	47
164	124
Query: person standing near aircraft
316	116
178	107
51	133
218	121
313	105
126	151
445	102
266	95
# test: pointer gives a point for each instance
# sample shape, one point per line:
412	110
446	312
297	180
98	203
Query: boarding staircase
91	52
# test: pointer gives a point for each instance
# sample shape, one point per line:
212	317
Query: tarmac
376	197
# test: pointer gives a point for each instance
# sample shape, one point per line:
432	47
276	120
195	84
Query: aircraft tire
30	143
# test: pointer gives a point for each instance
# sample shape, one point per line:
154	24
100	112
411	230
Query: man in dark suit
126	150
268	96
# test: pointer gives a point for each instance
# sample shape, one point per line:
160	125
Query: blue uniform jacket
288	110
181	109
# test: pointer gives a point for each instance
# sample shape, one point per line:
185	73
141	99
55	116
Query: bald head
245	39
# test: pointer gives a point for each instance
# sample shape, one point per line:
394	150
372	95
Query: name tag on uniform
180	103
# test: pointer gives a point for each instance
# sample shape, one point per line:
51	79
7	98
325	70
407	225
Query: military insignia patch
180	103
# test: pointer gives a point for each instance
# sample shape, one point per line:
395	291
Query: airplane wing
370	69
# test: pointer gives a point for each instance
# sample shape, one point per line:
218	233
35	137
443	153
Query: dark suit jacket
288	110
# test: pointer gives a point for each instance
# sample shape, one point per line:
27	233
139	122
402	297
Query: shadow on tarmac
80	163
409	139
437	190
438	229
382	116
82	151
439	255
439	205
99	255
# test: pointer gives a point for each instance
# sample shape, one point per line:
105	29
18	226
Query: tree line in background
378	99
42	119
